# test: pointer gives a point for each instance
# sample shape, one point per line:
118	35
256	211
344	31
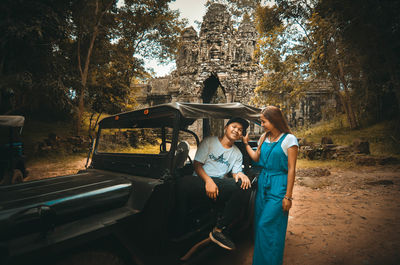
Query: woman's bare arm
254	155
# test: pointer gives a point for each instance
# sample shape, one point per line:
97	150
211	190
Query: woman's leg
271	232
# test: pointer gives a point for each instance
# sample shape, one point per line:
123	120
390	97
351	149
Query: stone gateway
217	65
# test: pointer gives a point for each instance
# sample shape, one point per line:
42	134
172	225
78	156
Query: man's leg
189	189
231	198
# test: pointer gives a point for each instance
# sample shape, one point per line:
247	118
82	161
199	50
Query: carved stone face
214	51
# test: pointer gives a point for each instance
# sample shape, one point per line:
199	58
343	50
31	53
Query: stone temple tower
217	60
218	65
220	56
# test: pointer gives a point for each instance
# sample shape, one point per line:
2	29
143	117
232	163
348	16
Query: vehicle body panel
129	197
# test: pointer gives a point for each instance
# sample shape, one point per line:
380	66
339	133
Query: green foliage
30	72
149	28
353	44
382	136
238	8
54	54
370	29
284	81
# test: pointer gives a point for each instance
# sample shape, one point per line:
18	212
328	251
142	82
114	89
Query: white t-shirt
218	161
288	142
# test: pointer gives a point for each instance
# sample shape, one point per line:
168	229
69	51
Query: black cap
243	122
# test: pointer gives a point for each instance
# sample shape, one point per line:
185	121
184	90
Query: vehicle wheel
17	177
3	177
11	177
92	258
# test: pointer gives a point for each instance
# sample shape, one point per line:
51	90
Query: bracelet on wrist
288	198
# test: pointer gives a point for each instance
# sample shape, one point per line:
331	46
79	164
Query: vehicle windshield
135	140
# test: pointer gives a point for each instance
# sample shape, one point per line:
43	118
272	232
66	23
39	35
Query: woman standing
277	154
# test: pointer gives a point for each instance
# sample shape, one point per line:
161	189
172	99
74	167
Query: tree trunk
347	98
84	73
345	106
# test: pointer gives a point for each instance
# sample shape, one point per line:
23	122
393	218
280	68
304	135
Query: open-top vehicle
12	161
124	203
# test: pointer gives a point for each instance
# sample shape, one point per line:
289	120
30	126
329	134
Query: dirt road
351	216
353	219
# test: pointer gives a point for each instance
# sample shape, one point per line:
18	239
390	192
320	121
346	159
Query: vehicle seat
181	154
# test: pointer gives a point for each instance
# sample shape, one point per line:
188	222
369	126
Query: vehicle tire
92	257
17	177
11	177
3	177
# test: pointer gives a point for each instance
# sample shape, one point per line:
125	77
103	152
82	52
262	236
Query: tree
109	88
88	17
283	82
370	29
149	28
56	54
144	28
332	58
352	44
238	8
283	61
31	70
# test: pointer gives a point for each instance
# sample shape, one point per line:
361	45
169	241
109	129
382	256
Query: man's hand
211	189
245	180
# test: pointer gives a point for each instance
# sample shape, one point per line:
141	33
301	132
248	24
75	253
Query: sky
192	10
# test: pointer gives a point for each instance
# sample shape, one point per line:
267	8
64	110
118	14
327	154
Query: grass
305	163
382	136
56	159
37	131
142	149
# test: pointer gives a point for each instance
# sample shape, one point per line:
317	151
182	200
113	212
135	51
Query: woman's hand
286	204
245	138
211	189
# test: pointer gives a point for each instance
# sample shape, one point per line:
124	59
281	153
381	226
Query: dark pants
229	202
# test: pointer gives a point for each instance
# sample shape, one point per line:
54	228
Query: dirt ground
339	216
349	217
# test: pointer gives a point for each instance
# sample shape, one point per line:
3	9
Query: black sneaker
222	240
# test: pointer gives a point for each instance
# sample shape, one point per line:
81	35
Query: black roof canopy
163	115
12	120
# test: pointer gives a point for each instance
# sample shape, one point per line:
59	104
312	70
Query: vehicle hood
52	201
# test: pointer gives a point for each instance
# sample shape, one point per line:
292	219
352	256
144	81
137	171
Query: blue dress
270	219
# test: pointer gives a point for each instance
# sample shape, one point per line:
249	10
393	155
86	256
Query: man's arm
211	187
245	180
239	174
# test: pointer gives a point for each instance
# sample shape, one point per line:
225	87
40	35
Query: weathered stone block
326	140
361	146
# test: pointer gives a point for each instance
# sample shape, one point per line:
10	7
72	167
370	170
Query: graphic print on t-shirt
219	159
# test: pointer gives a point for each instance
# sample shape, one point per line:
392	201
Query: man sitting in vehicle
214	160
